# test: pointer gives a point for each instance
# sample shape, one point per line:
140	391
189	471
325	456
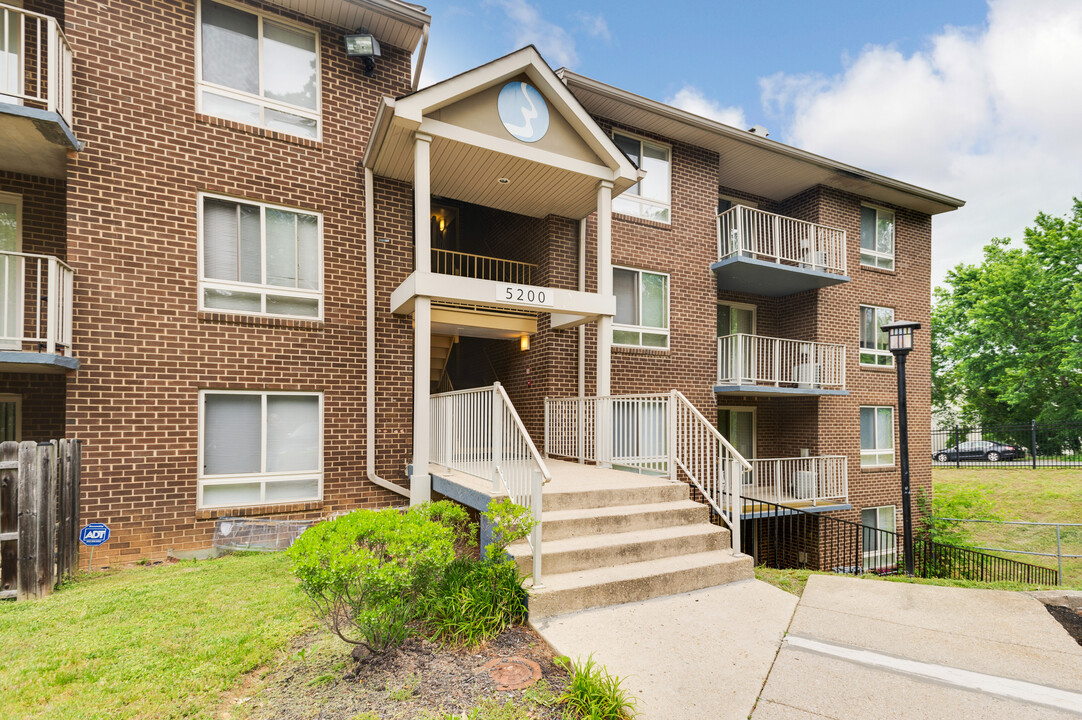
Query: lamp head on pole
900	336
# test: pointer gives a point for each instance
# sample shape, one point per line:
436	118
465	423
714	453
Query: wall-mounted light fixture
524	343
365	46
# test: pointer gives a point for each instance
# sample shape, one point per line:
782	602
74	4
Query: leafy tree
1007	333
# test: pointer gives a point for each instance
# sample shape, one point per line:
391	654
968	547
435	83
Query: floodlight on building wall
365	46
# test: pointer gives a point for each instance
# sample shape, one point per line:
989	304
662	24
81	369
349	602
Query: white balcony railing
478	432
35	61
757	360
482	267
35	303
662	434
798	480
775	238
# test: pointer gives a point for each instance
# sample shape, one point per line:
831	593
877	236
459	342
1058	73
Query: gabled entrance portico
507	136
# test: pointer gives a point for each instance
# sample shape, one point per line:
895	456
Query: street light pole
900	337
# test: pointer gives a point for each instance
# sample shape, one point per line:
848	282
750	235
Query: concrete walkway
866	649
701	654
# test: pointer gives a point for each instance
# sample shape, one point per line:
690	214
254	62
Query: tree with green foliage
1007	333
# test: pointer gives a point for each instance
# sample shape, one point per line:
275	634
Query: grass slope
1042	495
157	642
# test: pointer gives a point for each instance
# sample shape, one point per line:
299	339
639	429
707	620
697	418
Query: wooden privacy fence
39	516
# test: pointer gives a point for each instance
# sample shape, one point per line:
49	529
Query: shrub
971	503
593	694
367	571
474	601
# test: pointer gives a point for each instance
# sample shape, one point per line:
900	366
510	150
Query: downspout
421	57
582	326
370	335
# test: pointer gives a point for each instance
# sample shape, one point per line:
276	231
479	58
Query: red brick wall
146	350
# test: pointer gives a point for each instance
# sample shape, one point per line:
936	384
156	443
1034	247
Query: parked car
980	450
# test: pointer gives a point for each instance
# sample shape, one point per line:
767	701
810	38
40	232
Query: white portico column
421	481
604	286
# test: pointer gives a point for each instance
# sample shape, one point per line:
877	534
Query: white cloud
594	25
528	27
990	116
694	101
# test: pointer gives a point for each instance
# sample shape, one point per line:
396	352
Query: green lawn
149	642
1019	493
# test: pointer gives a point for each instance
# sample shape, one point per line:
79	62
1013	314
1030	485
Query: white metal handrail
663	434
798	479
758	360
35	302
481	267
478	432
776	238
37	67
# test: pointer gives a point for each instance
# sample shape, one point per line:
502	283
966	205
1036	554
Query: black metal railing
1031	444
786	538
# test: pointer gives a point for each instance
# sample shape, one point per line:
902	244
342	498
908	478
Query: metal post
546	450
581	431
903	438
957	455
536	534
1033	444
1059	554
497	436
670	439
735	483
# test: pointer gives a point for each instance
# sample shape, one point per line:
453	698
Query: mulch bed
419	680
1069	619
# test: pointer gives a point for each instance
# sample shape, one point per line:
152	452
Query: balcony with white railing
35	313
764	253
482	267
759	365
35	93
798	481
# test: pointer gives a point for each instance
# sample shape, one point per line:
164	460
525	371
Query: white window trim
744	306
261	477
263	289
646	328
890	554
893	241
257	99
15	341
876	351
878	452
662	205
18	400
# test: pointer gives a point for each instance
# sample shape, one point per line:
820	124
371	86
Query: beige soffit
393	22
750	162
544	179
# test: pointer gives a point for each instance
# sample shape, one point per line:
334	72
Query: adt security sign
94	534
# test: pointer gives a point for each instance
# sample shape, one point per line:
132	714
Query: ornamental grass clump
367	572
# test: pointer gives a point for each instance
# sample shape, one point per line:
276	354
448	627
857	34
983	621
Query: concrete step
576	499
597	551
563	593
581	522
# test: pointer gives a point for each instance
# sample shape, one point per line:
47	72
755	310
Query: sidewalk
860	649
702	654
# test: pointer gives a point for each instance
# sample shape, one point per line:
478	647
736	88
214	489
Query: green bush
593	694
970	503
367	572
474	601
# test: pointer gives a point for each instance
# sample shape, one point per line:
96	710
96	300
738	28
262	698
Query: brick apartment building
237	263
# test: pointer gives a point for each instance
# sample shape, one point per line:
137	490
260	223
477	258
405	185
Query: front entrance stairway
613	537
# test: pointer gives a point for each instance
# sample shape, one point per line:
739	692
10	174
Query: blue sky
980	100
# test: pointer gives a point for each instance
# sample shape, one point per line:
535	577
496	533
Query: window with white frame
879	538
876	237
650	198
259	259
258	448
257	70
642	308
874	346
876	436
